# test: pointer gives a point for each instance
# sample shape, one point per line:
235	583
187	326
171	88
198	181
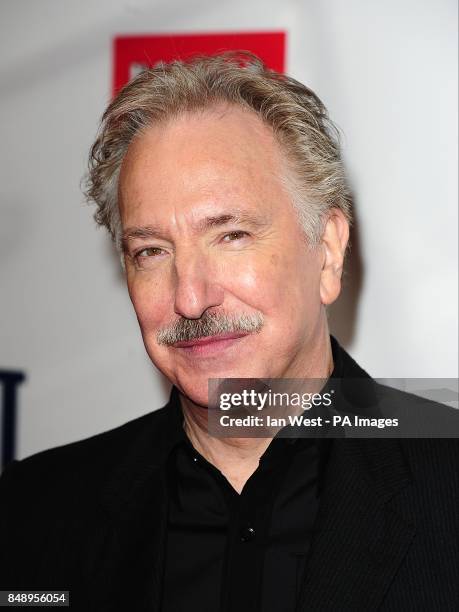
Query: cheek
252	280
284	283
149	304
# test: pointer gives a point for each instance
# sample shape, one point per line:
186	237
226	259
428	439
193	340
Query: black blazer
90	517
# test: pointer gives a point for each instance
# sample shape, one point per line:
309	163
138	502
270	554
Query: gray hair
209	324
314	173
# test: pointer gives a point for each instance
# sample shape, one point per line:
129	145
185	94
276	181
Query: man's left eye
232	236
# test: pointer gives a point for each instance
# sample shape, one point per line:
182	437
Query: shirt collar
174	432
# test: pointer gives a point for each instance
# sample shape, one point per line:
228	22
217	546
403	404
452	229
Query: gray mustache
210	324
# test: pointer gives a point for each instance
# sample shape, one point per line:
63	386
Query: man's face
210	230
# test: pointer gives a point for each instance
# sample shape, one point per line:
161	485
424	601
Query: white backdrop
388	73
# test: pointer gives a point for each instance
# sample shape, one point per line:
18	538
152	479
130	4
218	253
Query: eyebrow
234	217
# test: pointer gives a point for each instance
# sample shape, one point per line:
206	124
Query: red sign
132	54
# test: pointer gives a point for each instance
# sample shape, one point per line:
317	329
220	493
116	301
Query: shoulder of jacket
81	461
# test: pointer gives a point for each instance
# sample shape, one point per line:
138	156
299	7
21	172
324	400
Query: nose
196	286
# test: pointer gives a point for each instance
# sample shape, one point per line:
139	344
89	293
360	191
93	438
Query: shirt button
247	534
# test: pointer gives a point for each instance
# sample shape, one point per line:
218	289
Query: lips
209	340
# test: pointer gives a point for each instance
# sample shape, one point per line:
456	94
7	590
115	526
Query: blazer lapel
359	541
140	529
135	503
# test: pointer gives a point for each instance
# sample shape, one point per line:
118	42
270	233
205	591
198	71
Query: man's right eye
148	252
144	258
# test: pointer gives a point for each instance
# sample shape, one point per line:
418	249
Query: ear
334	241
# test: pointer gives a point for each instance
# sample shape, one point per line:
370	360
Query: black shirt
230	552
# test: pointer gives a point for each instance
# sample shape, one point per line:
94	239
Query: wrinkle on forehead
234	217
218	156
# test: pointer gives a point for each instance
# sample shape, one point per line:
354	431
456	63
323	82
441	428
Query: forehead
201	159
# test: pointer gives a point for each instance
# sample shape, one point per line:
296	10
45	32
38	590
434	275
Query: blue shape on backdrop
10	381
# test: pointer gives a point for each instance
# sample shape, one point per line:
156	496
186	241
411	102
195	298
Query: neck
238	458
